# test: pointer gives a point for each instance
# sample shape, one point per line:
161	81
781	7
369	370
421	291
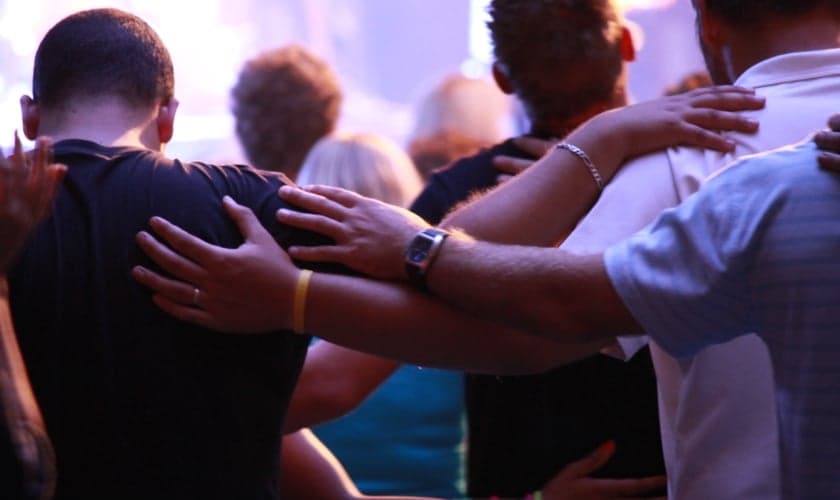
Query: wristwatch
421	253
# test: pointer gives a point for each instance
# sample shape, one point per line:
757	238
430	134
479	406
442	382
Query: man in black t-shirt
139	405
565	61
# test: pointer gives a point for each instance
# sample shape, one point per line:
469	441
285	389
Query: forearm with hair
542	205
543	291
400	323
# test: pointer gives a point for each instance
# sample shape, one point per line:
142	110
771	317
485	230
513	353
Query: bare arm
557	295
543	291
250	289
333	382
539	206
310	470
543	204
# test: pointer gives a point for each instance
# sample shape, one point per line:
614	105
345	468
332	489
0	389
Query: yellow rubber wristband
299	311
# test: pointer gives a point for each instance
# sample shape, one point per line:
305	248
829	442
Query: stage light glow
627	5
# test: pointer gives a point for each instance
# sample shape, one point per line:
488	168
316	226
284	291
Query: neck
559	128
108	124
818	29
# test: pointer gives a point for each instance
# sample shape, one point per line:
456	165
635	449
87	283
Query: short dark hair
750	12
102	52
561	56
284	101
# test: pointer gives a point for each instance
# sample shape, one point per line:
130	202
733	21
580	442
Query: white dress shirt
717	410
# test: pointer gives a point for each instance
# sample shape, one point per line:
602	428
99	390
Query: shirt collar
792	67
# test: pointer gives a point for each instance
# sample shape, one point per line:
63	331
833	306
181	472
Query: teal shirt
407	437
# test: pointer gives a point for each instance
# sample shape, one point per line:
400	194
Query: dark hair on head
102	52
561	56
750	12
284	101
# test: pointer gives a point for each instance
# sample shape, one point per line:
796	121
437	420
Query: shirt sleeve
685	278
640	191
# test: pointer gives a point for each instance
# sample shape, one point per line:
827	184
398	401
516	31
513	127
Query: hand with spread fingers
574	483
28	183
829	142
691	119
248	289
370	236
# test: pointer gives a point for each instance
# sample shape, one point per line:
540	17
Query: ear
30	116
709	28
628	47
501	78
166	120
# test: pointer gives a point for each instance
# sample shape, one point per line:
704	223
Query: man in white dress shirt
717	412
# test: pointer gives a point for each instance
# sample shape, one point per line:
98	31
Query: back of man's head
284	101
748	13
561	57
102	53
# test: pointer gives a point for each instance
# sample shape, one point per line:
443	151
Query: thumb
834	122
250	227
590	463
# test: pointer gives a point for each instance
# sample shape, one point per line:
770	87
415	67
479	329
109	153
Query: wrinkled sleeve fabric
686	277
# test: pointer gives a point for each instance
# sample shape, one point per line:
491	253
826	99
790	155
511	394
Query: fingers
693	135
829	161
312	202
335	254
589	464
628	488
713	119
728	99
176	265
510	165
828	141
248	224
185	313
312	222
834	123
17	163
38	186
173	290
344	197
184	243
533	146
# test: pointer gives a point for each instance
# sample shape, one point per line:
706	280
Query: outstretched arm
251	289
539	206
544	291
543	204
562	296
27	185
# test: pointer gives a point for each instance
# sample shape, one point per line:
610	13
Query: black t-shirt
138	404
522	430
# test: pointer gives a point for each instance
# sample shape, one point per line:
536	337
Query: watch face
416	256
419	249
